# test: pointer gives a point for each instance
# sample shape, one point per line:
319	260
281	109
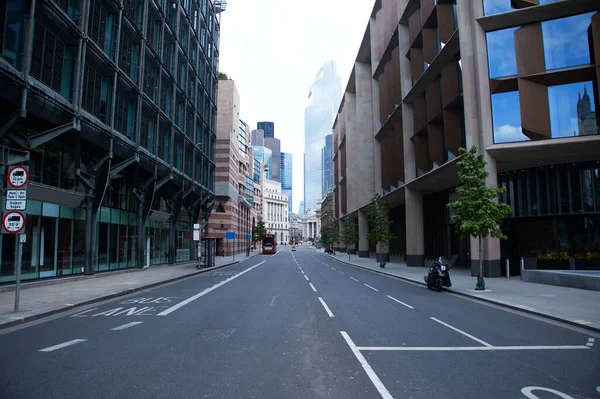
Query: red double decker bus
269	246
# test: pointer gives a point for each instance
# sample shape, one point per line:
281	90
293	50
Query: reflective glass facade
324	98
491	7
264	156
286	177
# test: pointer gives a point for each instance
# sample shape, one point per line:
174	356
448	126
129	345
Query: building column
363	231
415	243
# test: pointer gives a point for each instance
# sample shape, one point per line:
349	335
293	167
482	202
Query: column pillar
90	227
363	231
415	244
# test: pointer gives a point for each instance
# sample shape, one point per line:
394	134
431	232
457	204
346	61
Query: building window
178	163
163	145
13	27
133	9
572	110
97	91
52	61
148	128
125	114
165	100
102	27
129	56
506	118
501	53
566	41
151	82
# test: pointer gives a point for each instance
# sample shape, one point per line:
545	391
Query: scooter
439	274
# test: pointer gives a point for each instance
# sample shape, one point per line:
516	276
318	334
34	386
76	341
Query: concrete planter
587	264
543	264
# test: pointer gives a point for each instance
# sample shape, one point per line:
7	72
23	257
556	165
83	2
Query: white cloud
273	50
508	134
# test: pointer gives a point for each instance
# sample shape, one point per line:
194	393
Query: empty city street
297	324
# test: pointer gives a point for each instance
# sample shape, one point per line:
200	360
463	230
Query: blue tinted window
491	7
501	53
506	118
566	41
572	111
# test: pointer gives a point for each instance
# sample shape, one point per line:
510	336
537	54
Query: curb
31	318
592	327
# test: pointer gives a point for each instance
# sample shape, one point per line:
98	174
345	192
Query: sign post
230	235
13	220
248	237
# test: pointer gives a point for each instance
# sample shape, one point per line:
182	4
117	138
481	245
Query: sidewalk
43	298
569	305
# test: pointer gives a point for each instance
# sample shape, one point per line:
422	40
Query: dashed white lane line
326	307
590	342
63	345
333	268
313	287
400	302
301	271
341	273
469	348
385	394
124	326
306	277
462	332
352	278
374	289
206	291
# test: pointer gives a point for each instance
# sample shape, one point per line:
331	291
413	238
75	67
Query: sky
273	50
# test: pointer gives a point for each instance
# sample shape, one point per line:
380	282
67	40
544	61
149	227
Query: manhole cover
215	334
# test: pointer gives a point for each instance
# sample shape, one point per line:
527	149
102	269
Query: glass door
48	246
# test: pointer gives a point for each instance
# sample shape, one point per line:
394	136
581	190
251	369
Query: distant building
275	211
264	155
586	119
301	209
286	177
326	160
260	138
268	128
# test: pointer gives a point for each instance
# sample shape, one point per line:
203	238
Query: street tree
477	211
259	230
349	234
379	226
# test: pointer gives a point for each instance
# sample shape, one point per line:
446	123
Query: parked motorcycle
439	274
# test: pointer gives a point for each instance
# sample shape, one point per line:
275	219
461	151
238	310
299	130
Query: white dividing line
206	291
352	278
341	273
333	268
590	342
374	289
469	348
306	277
365	365
327	307
400	302
63	345
313	287
301	271
462	332
124	326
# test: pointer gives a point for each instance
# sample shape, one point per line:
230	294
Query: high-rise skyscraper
264	155
286	177
326	159
260	138
301	209
268	128
324	98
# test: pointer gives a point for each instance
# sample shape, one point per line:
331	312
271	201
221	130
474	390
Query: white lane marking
528	391
352	278
598	388
333	268
469	348
365	365
590	342
462	332
301	271
374	289
313	287
306	277
124	326
63	345
341	272
400	302
206	291
326	307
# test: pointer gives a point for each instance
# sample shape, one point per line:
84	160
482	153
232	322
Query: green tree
325	236
349	234
222	75
259	230
477	211
379	224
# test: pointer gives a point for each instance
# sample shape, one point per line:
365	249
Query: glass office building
116	123
286	177
264	155
326	160
324	98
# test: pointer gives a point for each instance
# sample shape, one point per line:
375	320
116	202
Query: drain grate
215	334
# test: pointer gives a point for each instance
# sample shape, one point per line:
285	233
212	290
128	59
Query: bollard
508	269
522	267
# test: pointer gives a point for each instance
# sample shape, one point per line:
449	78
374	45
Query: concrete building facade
511	84
275	211
235	208
112	107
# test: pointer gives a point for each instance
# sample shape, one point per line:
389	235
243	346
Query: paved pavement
43	298
297	325
570	305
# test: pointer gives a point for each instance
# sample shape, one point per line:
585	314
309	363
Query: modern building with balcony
517	79
235	189
112	106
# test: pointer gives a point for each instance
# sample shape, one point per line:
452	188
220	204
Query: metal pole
508	269
18	253
522	267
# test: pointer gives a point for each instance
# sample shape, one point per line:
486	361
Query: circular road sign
18	176
13	222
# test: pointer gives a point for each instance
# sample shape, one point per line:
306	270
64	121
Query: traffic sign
18	176
230	235
19	205
13	222
248	236
16	194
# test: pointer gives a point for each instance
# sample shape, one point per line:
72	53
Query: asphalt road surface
297	325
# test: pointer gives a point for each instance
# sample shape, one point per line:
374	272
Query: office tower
326	159
268	128
286	177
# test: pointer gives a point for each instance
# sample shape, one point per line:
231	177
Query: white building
311	224
275	211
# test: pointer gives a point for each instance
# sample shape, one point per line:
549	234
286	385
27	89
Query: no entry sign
13	222
18	176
